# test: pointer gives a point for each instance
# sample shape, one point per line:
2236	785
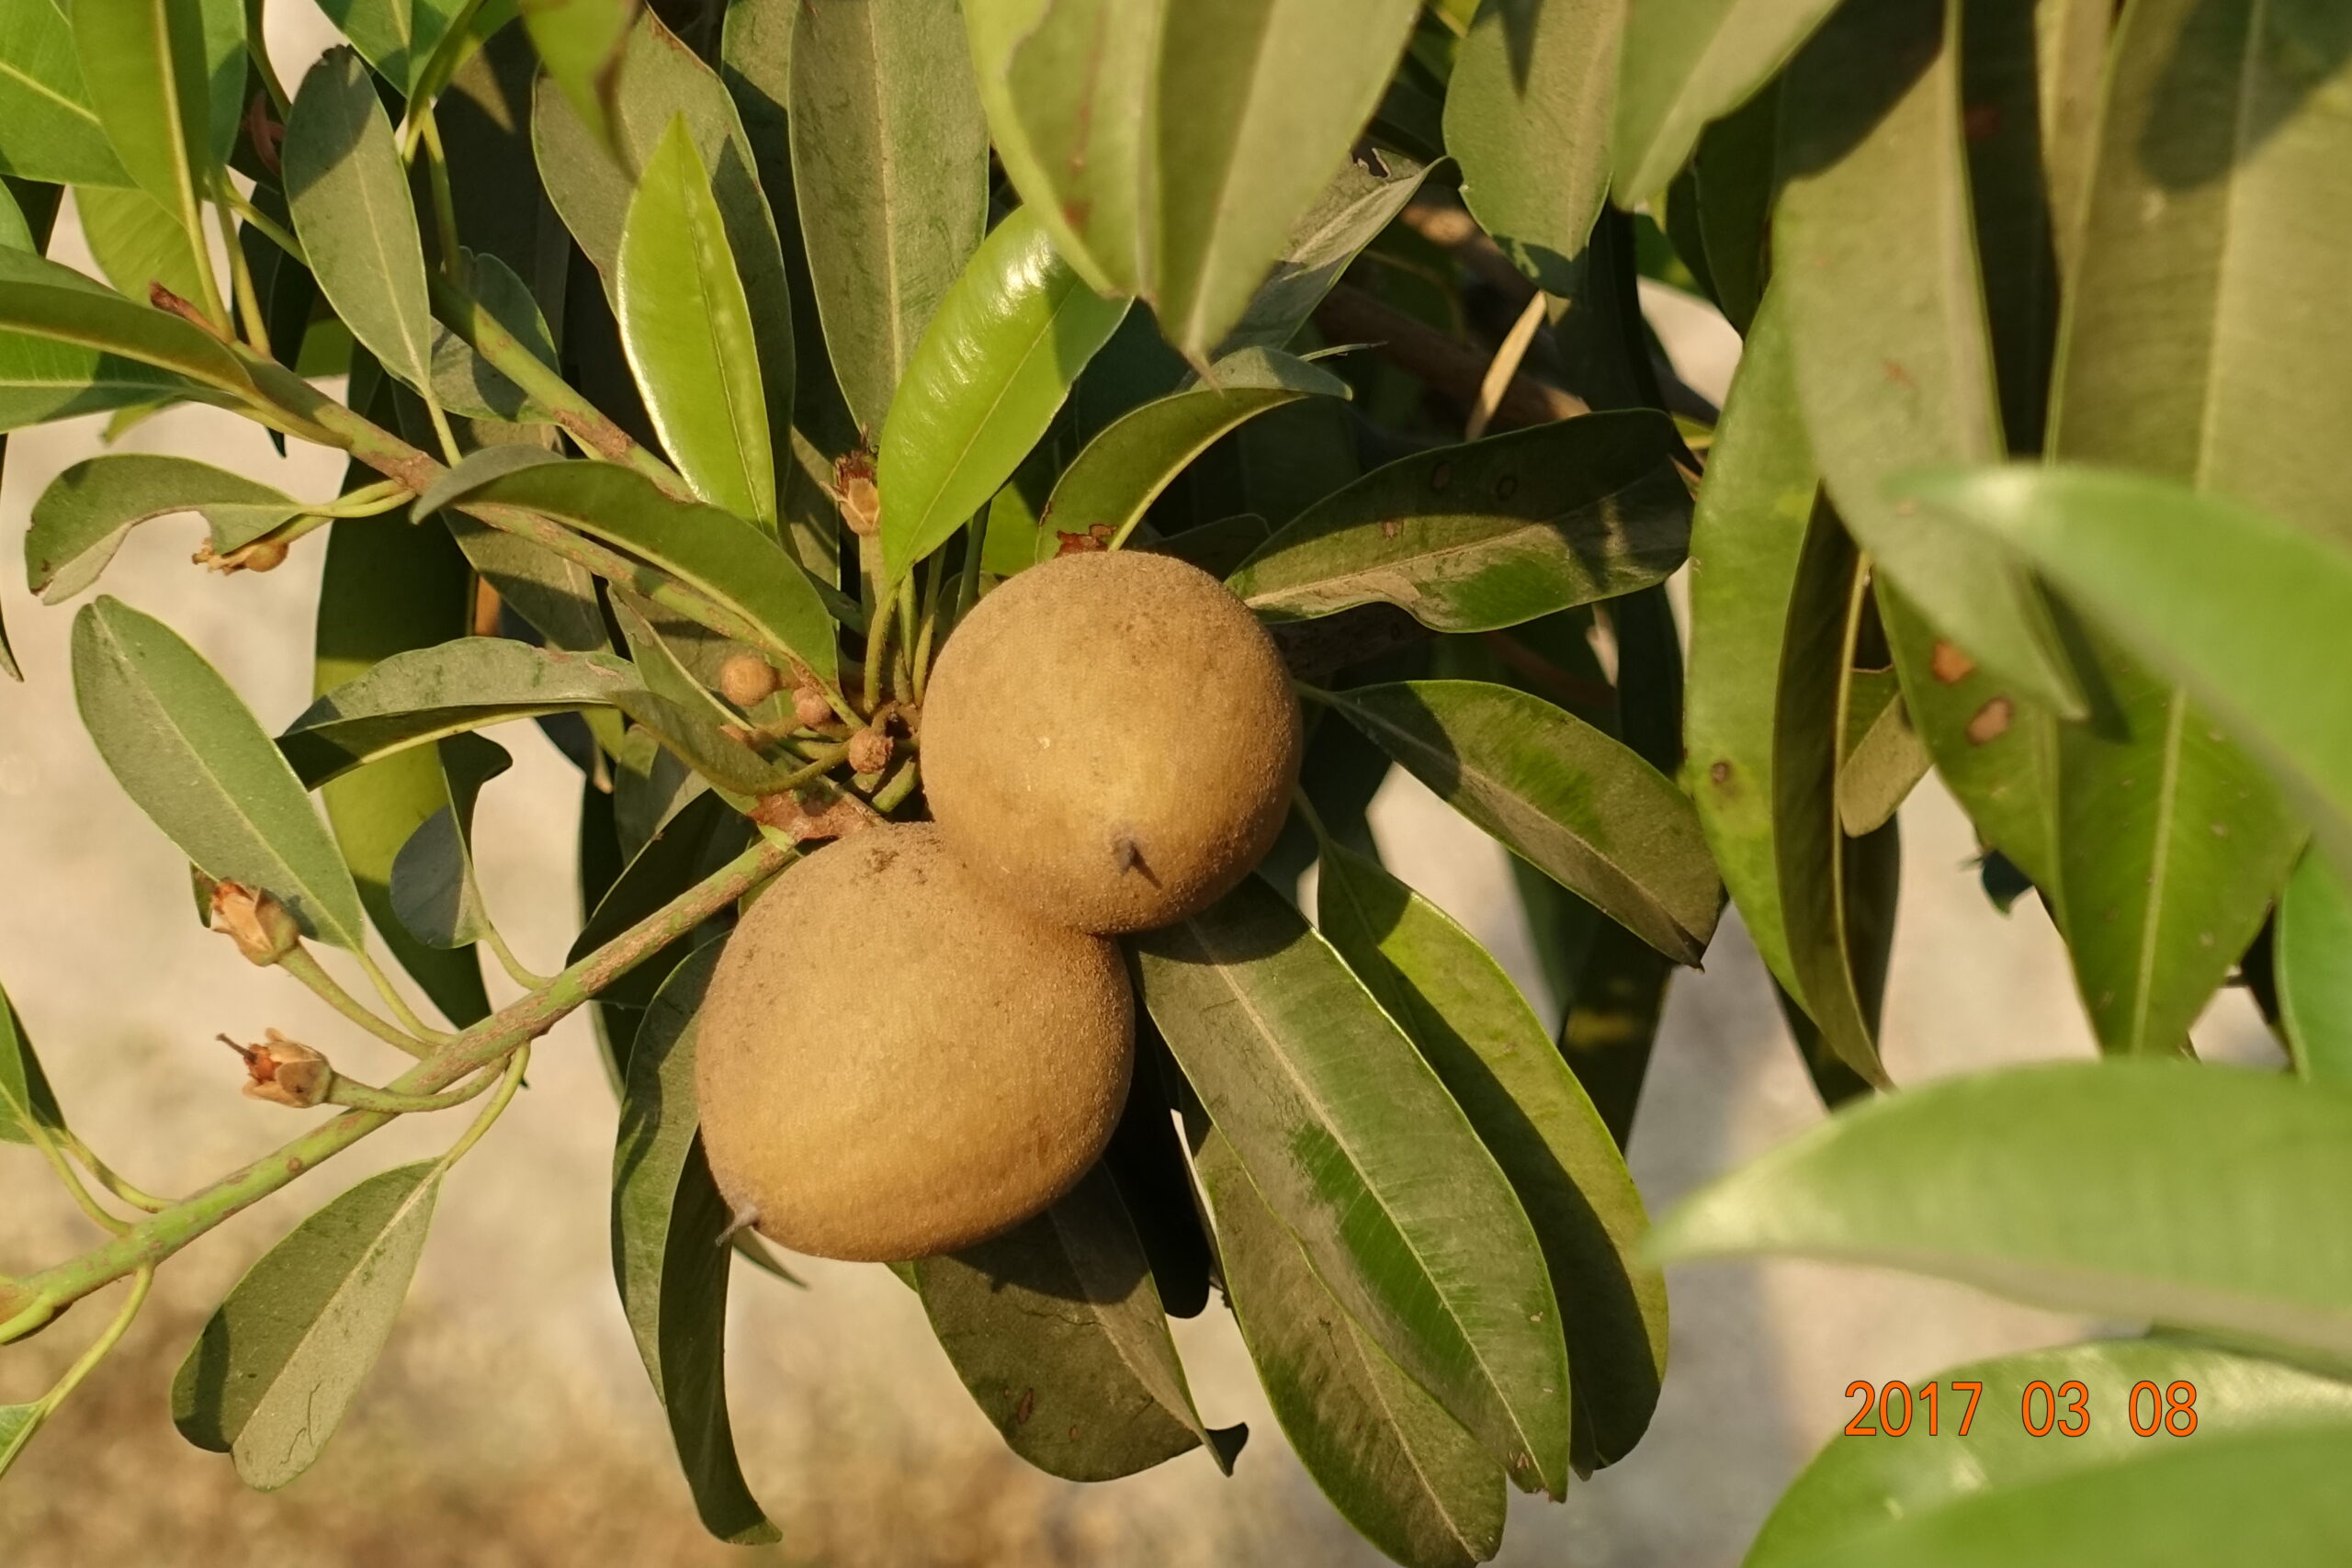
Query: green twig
99	1347
138	1198
508	1082
39	1297
269	228
307	969
445	203
967	587
356	1096
515	969
401	1013
899	785
99	1214
241	277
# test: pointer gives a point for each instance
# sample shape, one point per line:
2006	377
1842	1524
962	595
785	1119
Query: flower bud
747	680
869	751
283	1072
263	929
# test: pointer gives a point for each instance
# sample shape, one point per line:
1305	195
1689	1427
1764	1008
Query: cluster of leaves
767	336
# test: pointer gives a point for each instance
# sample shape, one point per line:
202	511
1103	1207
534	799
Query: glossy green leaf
1257	103
1527	113
1355	1143
1116	476
1065	85
138	243
991	370
1395	1465
87	511
1746	536
26	1099
1579	804
350	196
409	699
185	748
1873	242
278	1362
668	1259
658	80
1853	1490
1056	1329
1325	239
2174	841
581	42
1492	534
2313	950
143	63
890	166
687	328
712	551
433	891
2124	1189
1498	1062
48	129
1689	61
39	299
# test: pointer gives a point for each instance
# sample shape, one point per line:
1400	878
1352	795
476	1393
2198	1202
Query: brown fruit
892	1062
1111	739
747	680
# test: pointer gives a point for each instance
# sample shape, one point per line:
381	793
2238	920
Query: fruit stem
307	969
899	785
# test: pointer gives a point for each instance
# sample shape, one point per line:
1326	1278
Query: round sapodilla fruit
1111	738
892	1062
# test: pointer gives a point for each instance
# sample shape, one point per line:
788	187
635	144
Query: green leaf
183	746
1735	179
890	166
704	834
715	552
1056	1329
144	65
87	511
659	79
411	698
1487	534
1498	1062
687	327
2184	287
1116	477
1257	103
278	1362
1688	61
398	37
1064	83
1879	756
138	243
2133	1188
1746	537
558	597
2268	1498
434	892
48	129
987	377
685	716
1527	116
26	1099
1355	1145
1324	241
18	1422
668	1260
1874	245
2313	955
1581	807
42	300
1395	1464
350	200
2174	839
1852	1491
581	42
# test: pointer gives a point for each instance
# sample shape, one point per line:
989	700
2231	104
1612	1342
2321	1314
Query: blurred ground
510	1423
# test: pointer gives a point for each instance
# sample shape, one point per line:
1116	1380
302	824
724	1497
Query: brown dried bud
854	493
810	706
869	751
283	1072
262	928
262	555
747	680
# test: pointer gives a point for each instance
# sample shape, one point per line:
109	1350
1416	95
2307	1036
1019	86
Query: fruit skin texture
1111	738
891	1063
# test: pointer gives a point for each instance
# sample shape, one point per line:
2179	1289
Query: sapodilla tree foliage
1210	406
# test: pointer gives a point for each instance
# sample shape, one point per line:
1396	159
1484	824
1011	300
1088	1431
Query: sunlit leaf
87	511
2313	950
1326	238
1688	61
48	129
26	1099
